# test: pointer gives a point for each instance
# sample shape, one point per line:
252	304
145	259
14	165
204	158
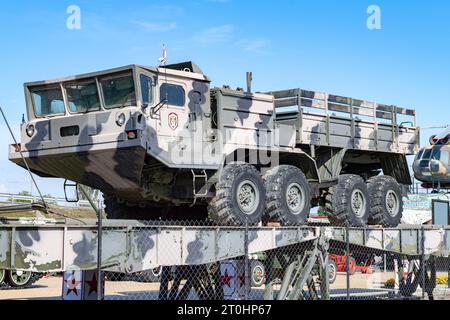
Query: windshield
436	155
48	101
118	91
427	154
83	97
419	155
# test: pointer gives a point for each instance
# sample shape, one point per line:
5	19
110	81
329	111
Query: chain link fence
256	265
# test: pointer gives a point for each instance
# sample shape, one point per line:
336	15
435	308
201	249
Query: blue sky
319	45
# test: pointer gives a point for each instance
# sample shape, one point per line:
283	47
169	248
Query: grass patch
80	213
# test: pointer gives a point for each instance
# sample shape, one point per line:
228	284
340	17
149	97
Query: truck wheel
351	266
240	196
332	271
258	273
348	202
18	279
288	198
2	277
387	201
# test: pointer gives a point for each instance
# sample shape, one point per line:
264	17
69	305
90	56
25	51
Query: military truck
160	143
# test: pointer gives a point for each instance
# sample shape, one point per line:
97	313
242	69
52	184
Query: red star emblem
92	284
72	284
225	279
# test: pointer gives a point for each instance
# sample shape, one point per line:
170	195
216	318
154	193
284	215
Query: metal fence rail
7	198
173	260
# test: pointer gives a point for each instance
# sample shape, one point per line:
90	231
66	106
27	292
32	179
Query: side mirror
402	125
71	186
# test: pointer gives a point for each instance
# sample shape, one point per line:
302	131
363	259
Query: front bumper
114	167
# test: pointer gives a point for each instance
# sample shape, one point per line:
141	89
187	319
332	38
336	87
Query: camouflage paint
133	246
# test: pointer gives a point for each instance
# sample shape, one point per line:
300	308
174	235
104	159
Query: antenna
23	158
249	81
163	59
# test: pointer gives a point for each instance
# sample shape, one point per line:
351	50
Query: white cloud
214	35
155	27
258	46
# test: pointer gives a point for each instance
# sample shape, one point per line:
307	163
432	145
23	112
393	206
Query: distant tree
25	193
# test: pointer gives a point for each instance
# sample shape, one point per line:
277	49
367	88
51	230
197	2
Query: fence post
246	262
448	272
347	261
99	212
422	260
99	255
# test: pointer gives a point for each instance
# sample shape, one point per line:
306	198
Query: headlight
30	130
121	119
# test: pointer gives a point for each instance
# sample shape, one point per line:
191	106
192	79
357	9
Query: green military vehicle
160	143
432	163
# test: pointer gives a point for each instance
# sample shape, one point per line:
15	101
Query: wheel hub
358	203
295	198
258	275
392	203
247	197
20	277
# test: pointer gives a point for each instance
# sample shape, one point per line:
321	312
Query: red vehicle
364	266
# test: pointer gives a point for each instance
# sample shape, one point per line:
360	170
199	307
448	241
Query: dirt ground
363	287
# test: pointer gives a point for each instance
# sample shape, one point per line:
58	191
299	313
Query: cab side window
146	89
173	94
445	158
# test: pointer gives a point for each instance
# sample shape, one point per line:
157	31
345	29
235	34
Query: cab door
173	116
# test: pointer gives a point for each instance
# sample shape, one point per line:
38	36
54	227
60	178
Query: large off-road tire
387	201
348	202
240	196
288	196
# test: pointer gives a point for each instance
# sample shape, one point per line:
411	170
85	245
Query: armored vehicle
160	143
432	163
